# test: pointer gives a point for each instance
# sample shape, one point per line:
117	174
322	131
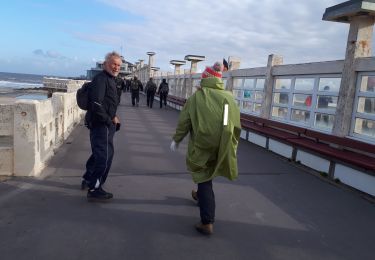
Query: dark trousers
100	161
135	97
163	97
150	98
206	198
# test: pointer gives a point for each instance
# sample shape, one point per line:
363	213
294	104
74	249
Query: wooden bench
176	100
333	148
271	128
343	149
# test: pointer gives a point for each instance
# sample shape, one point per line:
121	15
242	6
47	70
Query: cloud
49	54
249	29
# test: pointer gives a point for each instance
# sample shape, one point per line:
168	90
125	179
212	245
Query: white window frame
253	89
356	114
314	96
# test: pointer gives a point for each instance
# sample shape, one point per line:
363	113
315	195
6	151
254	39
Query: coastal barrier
32	130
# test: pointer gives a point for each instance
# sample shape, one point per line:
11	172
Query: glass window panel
366	105
281	98
225	83
329	84
283	83
247	105
247	94
257	108
237	93
238	102
280	112
327	102
302	100
300	116
304	84
365	127
260	83
368	84
249	83
259	96
237	83
324	121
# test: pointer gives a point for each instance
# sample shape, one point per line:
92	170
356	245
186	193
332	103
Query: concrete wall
31	130
6	139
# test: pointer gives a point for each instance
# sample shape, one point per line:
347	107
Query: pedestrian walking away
151	90
135	87
120	87
212	118
163	92
102	122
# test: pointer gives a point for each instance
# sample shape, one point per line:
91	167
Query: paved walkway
274	211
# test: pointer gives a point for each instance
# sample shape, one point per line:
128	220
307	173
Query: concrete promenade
275	210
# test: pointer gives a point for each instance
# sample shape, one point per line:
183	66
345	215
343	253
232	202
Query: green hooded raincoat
212	149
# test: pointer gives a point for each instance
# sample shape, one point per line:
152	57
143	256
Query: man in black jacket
151	90
102	121
163	93
120	86
135	87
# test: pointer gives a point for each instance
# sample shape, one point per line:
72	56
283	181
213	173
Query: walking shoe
194	195
99	194
205	229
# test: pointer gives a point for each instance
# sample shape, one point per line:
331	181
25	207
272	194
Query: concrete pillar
177	69
194	59
151	58
177	66
150	63
358	45
268	88
234	63
26	140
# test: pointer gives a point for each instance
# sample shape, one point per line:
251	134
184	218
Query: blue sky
67	37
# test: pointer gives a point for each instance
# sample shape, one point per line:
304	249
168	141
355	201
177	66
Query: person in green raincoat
212	118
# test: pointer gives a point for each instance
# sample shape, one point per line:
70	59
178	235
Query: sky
67	37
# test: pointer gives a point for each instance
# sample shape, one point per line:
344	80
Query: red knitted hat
213	72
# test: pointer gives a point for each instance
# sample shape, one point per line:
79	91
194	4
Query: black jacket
136	85
151	87
103	100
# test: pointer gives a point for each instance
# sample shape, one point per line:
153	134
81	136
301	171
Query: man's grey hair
112	54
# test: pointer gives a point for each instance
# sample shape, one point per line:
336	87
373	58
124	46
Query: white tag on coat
226	109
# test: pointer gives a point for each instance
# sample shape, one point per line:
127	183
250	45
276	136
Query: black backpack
82	96
164	88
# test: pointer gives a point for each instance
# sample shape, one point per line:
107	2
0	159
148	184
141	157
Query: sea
21	86
18	80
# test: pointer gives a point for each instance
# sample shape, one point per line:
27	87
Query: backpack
164	88
135	85
82	96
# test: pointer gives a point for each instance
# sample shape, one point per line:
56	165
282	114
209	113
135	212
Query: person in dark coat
103	122
135	87
120	86
151	90
163	92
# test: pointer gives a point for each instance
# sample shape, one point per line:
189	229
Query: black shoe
99	194
84	184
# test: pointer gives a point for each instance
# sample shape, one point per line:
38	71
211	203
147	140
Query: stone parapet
32	130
